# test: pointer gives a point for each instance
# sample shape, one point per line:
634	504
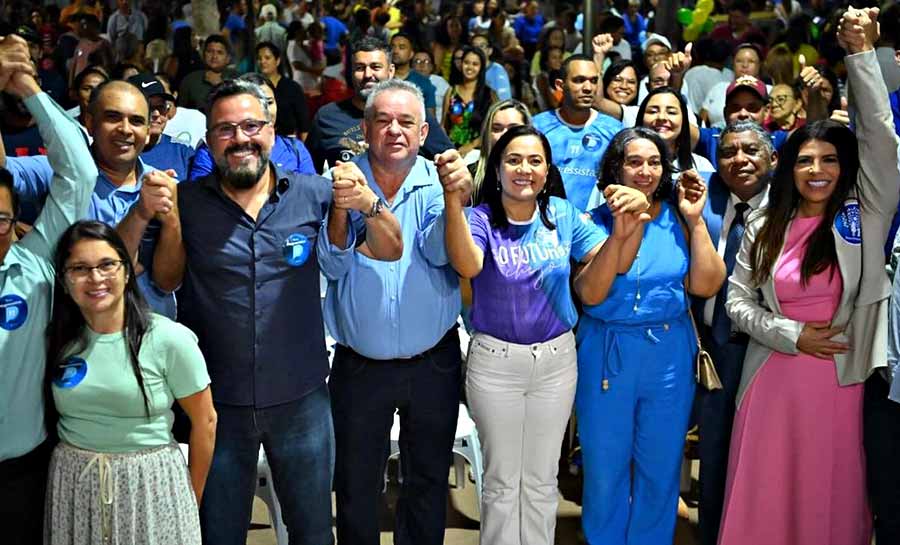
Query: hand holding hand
351	189
454	176
629	208
859	29
815	340
842	116
15	59
691	195
159	195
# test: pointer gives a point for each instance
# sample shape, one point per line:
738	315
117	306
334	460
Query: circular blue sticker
591	142
70	373
848	224
296	249
13	312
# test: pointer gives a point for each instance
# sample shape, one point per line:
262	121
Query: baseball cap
748	82
150	86
656	39
28	34
268	9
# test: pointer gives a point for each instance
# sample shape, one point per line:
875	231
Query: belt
613	360
450	337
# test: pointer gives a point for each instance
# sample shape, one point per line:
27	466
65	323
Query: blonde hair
486	139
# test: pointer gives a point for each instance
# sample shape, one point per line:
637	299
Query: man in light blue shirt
495	75
395	327
27	277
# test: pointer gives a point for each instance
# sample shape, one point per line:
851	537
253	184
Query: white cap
267	10
656	39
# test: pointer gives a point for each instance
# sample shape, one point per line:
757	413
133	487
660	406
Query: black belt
450	337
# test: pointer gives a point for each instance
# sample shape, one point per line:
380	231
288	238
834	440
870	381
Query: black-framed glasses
227	131
80	273
421	61
161	108
6	225
781	99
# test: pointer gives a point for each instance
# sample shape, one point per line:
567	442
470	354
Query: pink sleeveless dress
796	469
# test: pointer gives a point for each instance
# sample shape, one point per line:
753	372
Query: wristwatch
377	207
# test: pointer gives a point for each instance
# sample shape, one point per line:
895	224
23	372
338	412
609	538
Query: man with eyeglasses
161	150
27	277
249	256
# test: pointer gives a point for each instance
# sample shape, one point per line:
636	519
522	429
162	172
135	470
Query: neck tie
721	324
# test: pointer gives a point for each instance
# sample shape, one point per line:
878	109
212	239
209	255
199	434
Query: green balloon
685	16
707	26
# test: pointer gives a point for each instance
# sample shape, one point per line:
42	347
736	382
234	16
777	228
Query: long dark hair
482	95
490	190
282	67
614	159
683	141
67	330
784	199
614	70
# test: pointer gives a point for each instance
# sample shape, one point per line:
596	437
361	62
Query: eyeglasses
227	131
80	273
781	99
422	61
162	108
6	225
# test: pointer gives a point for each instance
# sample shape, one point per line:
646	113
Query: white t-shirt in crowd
188	127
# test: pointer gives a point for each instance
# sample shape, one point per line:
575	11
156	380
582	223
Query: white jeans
520	397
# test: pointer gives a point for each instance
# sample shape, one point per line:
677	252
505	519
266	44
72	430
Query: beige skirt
140	498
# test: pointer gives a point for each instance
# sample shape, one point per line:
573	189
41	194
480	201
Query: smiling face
523	169
422	64
744	163
393	129
580	84
663	115
782	103
744	105
120	125
624	87
642	167
370	67
242	160
95	293
471	66
502	121
816	173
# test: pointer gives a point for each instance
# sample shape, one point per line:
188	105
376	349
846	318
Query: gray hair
391	85
746	126
234	87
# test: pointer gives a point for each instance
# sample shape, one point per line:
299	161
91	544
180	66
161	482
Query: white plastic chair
466	448
265	492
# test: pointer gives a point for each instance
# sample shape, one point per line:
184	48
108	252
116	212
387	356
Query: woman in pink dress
809	288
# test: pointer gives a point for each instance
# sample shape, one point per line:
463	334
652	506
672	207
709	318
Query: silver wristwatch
377	207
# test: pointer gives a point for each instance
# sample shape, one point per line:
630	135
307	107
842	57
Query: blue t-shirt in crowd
528	30
577	150
235	24
498	80
522	294
168	154
334	29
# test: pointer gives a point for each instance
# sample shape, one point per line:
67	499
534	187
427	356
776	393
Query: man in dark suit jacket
746	160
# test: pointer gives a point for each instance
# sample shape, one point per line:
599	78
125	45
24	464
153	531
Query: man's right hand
603	44
14	59
158	196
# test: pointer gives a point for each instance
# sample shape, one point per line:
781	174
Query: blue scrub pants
632	434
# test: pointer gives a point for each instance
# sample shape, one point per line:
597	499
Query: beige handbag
705	372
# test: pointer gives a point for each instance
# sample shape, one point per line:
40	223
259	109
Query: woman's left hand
691	195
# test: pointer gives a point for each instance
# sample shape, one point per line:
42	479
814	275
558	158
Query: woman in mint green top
114	369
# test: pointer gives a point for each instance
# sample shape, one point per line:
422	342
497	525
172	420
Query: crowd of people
263	224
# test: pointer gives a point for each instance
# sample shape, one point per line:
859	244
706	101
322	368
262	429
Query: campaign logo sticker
296	249
848	224
13	312
591	142
70	373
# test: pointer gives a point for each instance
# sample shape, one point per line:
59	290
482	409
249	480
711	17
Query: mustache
249	146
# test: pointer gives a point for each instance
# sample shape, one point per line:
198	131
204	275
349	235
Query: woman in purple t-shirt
516	247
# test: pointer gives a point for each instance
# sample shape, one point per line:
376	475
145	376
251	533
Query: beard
244	176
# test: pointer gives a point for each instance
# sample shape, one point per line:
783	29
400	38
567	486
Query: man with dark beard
251	242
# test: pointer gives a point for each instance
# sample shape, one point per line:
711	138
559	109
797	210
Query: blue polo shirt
251	289
396	309
168	154
288	153
497	79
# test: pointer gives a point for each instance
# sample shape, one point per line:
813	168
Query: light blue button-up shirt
395	309
27	276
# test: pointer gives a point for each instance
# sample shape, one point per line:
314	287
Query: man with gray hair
337	133
746	161
250	253
395	325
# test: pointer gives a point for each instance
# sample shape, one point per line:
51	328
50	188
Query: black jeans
23	485
364	395
881	436
716	420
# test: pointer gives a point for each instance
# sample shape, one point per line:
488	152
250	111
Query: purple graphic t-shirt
522	294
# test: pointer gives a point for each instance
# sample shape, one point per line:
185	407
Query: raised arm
466	257
384	240
878	179
603	43
707	270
